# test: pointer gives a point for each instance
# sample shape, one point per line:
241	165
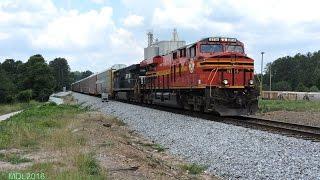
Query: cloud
99	1
73	30
277	27
90	39
95	36
4	36
133	20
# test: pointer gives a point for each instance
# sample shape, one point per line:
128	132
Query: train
211	75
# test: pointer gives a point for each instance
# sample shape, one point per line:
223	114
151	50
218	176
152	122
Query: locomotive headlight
225	82
251	82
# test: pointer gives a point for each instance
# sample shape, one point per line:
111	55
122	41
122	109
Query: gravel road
229	151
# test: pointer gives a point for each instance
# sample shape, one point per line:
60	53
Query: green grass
107	143
90	170
87	164
279	105
47	127
8	108
27	129
157	147
13	158
193	168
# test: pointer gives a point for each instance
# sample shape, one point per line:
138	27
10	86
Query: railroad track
289	129
276	127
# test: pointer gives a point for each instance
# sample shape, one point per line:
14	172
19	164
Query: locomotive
212	75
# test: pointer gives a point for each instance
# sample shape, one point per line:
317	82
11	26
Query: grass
107	143
8	108
193	168
27	129
279	105
157	147
48	127
13	158
87	164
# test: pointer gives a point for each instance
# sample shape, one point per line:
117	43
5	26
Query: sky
95	34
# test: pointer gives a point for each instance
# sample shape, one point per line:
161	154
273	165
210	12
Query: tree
61	71
86	74
6	88
302	88
314	89
301	71
38	77
282	86
25	96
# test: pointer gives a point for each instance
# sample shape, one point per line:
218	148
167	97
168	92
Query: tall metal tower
175	35
150	38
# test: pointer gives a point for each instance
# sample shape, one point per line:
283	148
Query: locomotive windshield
234	48
209	48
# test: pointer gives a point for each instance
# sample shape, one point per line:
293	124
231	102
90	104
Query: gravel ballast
228	151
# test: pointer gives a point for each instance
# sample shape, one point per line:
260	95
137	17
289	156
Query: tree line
35	79
294	73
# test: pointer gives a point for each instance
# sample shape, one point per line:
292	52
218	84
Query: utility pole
270	77
262	53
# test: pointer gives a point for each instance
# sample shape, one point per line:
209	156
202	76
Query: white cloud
73	30
89	38
29	13
133	20
4	36
269	25
92	38
123	41
99	1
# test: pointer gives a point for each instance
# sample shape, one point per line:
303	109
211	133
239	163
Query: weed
193	168
13	158
8	108
88	164
81	140
157	147
29	127
107	143
42	167
47	126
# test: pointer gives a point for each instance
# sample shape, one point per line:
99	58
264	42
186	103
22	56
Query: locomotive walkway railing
212	78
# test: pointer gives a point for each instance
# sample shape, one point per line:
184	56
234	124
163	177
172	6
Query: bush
314	89
302	88
25	96
10	99
43	95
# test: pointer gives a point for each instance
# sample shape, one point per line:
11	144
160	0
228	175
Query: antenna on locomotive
150	38
175	35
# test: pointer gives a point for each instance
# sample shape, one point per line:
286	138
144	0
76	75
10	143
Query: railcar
86	85
125	83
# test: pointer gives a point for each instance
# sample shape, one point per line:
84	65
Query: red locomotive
210	75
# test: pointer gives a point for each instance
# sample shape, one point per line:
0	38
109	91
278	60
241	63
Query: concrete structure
159	48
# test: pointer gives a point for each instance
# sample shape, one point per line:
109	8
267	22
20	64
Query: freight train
212	75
